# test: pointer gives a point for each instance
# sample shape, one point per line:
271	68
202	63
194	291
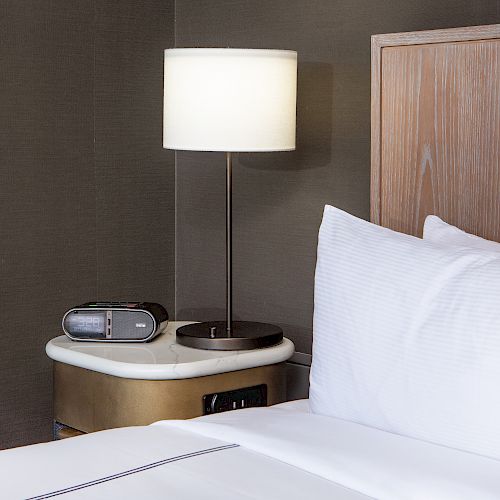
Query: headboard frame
435	141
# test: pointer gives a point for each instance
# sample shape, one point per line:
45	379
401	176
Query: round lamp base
245	335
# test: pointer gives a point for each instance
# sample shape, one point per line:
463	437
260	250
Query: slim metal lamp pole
229	256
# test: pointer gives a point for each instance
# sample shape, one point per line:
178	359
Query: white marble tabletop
162	358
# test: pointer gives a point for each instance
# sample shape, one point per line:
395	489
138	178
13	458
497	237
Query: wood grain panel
438	140
449	35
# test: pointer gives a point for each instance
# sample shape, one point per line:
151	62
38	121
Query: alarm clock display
93	324
115	321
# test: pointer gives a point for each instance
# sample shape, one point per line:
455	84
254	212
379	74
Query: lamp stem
229	256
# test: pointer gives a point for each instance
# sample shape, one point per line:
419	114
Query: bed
281	452
435	150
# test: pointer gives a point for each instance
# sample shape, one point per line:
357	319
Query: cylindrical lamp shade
229	99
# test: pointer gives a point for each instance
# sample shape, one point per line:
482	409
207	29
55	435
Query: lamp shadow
314	124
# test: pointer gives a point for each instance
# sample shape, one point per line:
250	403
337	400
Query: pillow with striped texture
406	335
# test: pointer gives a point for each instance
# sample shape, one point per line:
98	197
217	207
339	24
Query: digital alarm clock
115	321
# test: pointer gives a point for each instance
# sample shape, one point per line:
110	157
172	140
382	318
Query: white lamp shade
229	99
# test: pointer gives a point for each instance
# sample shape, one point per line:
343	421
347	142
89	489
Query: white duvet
282	452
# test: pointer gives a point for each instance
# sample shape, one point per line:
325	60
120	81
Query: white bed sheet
155	462
282	452
370	461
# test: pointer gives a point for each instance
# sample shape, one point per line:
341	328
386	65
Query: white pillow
438	231
407	335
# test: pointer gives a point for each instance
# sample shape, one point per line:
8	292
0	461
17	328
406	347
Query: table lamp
229	100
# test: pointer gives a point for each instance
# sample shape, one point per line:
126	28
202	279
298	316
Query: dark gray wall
86	190
279	197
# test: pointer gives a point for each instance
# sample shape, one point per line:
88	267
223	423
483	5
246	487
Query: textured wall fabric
279	197
406	335
86	189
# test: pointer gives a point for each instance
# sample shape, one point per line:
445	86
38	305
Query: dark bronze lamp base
245	335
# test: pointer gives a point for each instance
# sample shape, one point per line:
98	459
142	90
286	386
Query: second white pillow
438	231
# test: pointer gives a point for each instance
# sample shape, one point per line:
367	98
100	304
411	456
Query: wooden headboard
436	129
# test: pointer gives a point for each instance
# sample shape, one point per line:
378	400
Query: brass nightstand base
91	401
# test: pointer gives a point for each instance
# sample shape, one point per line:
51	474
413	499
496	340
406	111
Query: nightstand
101	386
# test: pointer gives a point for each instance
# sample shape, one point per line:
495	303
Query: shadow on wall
314	124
